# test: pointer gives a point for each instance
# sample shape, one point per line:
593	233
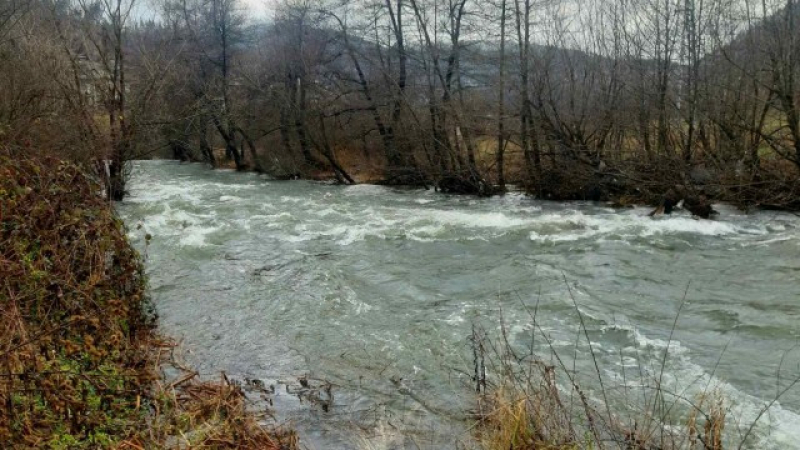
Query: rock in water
700	207
669	202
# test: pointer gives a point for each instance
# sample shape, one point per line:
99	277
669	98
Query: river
376	290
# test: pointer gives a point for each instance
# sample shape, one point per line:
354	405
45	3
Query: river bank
82	364
695	187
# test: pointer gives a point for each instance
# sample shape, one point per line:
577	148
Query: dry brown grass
189	413
78	354
361	168
518	420
531	405
531	412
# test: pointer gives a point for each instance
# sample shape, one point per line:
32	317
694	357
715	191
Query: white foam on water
366	190
575	225
455	318
494	220
162	192
427	224
350	235
196	236
217	186
295	238
672	347
421	225
360	306
432	224
346	225
426	233
290	199
777	430
190	229
767	242
326	212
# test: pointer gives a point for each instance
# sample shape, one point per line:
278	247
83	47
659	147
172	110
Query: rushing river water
377	290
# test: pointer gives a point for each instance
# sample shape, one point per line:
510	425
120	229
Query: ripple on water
366	284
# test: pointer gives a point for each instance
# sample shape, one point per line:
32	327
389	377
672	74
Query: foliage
75	317
78	352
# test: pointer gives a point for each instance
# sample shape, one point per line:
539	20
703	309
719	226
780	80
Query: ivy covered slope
79	355
75	322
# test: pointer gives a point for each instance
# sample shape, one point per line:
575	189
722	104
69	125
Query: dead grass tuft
532	405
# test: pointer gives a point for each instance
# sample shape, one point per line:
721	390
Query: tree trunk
257	167
402	62
298	102
501	108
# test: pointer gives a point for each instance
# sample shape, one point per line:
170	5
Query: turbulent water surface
376	290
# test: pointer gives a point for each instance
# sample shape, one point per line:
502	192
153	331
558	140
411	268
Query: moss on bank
79	355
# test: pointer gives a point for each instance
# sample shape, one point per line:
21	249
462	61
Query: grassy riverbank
79	353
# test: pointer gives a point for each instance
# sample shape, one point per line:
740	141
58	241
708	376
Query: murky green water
376	290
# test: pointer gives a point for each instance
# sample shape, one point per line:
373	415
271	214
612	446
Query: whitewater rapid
367	285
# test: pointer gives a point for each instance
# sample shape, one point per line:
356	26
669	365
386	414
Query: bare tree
106	35
501	101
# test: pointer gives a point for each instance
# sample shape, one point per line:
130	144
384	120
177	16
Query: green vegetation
78	351
76	320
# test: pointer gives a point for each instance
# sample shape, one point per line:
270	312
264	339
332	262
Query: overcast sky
259	9
256	9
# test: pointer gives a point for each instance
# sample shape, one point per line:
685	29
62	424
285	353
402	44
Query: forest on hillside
623	100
